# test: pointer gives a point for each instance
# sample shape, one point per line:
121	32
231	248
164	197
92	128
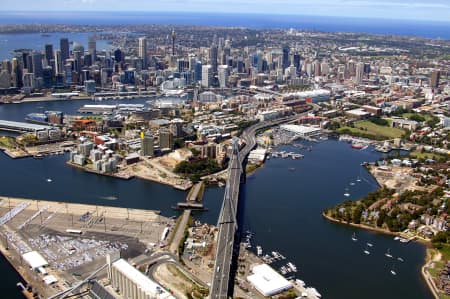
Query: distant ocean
328	24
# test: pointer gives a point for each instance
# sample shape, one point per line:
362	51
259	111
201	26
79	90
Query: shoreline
178	187
363	226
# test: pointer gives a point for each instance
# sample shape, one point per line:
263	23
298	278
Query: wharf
74	238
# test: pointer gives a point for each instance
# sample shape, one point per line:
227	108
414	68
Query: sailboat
358	179
354	239
393	270
388	253
366	250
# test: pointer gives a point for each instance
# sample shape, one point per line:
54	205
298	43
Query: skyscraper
48	53
118	55
285	57
174	36
223	76
207	74
435	77
92	47
359	73
213	55
198	71
143	51
64	47
36	59
58	63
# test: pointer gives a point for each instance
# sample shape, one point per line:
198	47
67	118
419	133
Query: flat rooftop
22	125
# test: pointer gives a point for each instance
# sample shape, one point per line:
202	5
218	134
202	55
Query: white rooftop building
34	259
302	131
267	281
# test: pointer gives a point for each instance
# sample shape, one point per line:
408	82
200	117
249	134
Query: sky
423	10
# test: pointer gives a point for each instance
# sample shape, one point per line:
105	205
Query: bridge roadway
227	219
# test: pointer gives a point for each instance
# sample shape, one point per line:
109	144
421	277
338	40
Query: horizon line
226	13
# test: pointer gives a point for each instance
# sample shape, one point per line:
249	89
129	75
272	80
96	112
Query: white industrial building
131	283
34	259
302	131
257	155
267	281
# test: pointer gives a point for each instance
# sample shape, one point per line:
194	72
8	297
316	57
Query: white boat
352	184
400	259
347	194
397	238
49	180
370	244
258	250
366	251
393	272
354	239
358	179
388	253
292	266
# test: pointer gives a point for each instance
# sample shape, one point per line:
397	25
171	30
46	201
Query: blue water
36	41
329	24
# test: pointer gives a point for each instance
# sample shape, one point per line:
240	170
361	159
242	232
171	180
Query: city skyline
436	10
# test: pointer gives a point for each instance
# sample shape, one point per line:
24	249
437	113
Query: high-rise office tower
296	61
64	48
16	74
316	68
92	47
435	77
118	55
359	75
223	76
285	61
59	63
142	51
213	55
207	74
36	59
48	53
198	71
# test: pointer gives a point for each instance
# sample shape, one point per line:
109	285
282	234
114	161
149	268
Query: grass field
369	129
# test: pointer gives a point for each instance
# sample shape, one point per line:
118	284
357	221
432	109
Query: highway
227	219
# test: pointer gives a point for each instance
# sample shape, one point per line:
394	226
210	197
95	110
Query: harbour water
37	41
283	202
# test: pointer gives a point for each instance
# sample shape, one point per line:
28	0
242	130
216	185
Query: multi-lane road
227	219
